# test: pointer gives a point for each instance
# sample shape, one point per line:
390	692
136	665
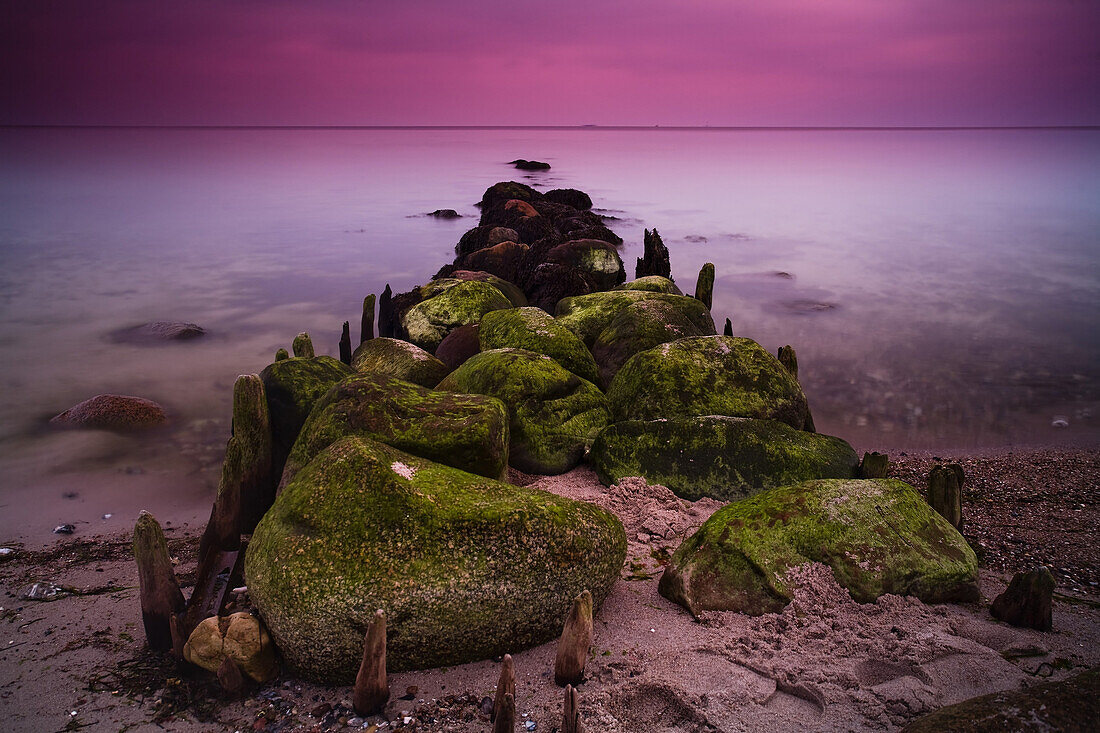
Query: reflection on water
941	288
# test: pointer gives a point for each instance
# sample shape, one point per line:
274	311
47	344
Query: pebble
6	551
64	529
108	516
355	722
530	725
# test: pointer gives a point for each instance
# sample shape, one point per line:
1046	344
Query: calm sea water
941	288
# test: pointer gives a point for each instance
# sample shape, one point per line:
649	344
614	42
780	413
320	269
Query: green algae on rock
652	284
388	357
430	320
879	536
725	458
554	414
588	315
535	330
466	568
596	258
510	290
465	431
711	375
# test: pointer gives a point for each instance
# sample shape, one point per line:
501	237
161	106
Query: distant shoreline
598	128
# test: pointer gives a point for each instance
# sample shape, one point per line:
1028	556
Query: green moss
653	284
398	359
534	330
724	458
588	315
704	286
554	414
595	257
469	432
466	568
507	289
643	325
713	375
429	321
879	536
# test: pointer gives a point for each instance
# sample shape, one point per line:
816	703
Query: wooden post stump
874	465
252	433
945	492
366	325
506	687
505	721
281	355
161	598
386	317
576	640
728	330
704	286
571	714
789	360
345	343
654	259
371	688
303	346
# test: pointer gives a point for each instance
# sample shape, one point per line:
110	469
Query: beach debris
387	317
506	688
874	465
571	714
371	687
281	354
789	359
505	720
704	285
229	676
303	346
654	259
728	329
6	552
1060	421
530	724
445	214
576	640
1027	600
107	516
345	343
945	484
366	323
64	529
112	412
45	591
240	637
161	598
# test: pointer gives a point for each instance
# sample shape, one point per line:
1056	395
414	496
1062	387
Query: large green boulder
643	325
466	568
724	458
535	330
596	258
449	306
554	414
653	284
292	386
509	289
878	535
387	357
588	315
711	375
466	431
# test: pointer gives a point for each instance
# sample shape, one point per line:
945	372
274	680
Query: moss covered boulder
711	375
448	307
725	458
510	290
533	329
643	325
588	315
465	567
653	284
292	386
878	535
466	431
387	357
554	414
598	259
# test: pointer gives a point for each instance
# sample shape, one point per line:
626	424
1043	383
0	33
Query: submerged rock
530	165
465	431
554	414
465	567
879	536
158	332
386	357
112	412
711	375
533	329
725	458
445	214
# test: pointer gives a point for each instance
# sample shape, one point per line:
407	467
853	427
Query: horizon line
743	128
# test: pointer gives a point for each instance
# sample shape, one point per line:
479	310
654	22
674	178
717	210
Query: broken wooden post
571	714
229	675
576	640
506	687
654	259
366	325
505	721
371	688
386	317
704	286
789	360
252	433
281	354
728	330
303	346
345	344
945	492
161	598
874	465
1026	602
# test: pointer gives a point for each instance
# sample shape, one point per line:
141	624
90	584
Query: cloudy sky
560	62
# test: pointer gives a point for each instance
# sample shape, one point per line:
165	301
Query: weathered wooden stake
1026	602
386	317
303	346
366	326
229	675
789	360
945	492
161	598
371	688
506	687
571	714
281	354
345	344
505	721
252	434
576	640
874	465
728	330
654	259
704	286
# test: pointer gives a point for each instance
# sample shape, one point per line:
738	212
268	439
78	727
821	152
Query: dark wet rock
530	165
386	357
501	234
466	567
588	315
570	197
157	332
654	259
596	231
505	260
535	330
598	259
724	458
554	414
711	375
878	536
466	431
498	195
552	283
459	345
64	529
1027	600
112	412
473	240
445	214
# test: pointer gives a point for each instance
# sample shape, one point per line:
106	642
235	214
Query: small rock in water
64	529
445	214
1059	421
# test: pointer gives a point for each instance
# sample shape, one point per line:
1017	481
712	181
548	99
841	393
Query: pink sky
562	62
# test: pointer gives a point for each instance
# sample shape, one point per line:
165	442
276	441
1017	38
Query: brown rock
524	208
458	346
240	637
112	412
